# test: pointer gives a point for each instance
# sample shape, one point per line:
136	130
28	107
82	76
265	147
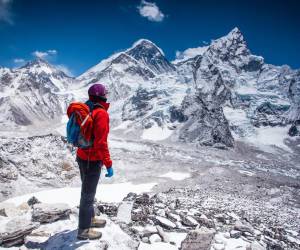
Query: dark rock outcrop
45	213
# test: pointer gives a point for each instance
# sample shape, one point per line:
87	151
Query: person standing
90	162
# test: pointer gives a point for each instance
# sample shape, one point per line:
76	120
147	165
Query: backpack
80	125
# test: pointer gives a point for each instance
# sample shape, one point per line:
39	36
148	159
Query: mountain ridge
226	74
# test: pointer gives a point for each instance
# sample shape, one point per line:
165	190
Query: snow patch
131	146
157	246
71	196
266	137
123	125
176	176
156	133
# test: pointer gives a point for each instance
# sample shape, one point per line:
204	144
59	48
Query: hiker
90	162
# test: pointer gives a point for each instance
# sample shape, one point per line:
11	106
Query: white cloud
19	60
150	11
189	53
65	69
52	51
44	54
5	11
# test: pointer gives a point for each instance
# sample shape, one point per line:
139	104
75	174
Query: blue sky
75	35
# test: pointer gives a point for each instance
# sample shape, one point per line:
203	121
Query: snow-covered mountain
32	94
221	93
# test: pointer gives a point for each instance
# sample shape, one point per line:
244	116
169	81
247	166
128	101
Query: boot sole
88	238
98	226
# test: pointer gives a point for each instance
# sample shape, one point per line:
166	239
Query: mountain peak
36	62
235	34
233	43
149	54
147	44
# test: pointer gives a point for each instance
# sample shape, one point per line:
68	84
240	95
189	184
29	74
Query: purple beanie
97	90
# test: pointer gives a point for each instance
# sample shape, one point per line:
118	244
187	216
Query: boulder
189	221
154	238
243	227
200	239
174	217
164	222
15	230
124	211
204	221
45	213
235	234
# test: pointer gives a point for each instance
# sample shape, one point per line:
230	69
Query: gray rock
15	230
174	217
145	239
188	221
2	212
45	213
160	212
148	231
154	238
295	129
124	211
164	222
204	221
235	234
200	239
243	227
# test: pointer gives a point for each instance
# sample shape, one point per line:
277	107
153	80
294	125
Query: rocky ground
196	187
175	219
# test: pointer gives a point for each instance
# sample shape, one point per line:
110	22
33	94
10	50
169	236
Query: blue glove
110	172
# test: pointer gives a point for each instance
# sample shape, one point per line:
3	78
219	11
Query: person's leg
91	174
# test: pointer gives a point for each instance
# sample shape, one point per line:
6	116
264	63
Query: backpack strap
85	119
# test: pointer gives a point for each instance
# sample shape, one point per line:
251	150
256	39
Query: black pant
90	173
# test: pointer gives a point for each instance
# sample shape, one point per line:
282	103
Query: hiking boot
88	234
98	222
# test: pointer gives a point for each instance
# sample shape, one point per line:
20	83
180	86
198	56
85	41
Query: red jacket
99	150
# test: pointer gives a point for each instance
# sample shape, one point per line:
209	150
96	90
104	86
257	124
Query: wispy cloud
65	69
5	11
189	53
150	11
44	54
19	60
